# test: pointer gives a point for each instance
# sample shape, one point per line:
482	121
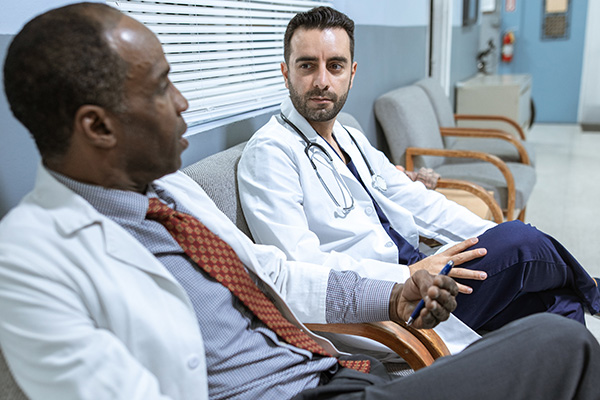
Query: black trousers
543	356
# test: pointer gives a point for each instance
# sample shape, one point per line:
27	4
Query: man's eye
336	67
164	87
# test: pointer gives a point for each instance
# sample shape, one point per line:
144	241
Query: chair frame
489	133
412	152
478	191
497	118
418	347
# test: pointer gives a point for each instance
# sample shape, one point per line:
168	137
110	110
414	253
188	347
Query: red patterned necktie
221	262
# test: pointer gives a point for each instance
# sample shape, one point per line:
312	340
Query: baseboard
590	127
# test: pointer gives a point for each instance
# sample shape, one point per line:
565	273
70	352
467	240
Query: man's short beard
319	115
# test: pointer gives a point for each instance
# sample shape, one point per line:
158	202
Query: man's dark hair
59	62
318	18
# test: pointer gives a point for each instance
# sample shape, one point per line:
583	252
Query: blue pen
417	311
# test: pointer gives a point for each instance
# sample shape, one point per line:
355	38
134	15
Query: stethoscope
377	180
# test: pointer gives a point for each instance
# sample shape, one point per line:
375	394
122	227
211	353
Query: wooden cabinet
507	95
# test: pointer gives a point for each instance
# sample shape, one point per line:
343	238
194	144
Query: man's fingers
442	292
462	246
440	284
469	255
464	273
464	289
434	312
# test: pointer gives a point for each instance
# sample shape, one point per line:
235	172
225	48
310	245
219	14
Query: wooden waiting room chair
217	175
414	137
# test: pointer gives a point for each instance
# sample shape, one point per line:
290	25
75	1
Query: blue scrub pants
528	272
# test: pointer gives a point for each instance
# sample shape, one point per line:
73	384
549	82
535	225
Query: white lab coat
86	312
286	205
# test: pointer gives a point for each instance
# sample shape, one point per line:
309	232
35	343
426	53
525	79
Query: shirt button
389	244
193	362
369	210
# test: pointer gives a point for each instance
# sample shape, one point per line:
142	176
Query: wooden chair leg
522	215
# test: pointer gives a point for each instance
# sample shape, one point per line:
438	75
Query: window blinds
224	54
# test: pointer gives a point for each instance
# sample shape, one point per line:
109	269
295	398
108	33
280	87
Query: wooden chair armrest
501	118
476	190
430	339
411	152
419	348
489	133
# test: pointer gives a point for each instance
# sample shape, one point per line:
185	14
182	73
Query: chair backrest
439	101
408	120
441	105
348	120
217	175
9	390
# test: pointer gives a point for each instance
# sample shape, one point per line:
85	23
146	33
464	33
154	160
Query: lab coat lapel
351	148
72	214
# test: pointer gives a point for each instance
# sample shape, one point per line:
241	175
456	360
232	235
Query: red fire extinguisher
508	41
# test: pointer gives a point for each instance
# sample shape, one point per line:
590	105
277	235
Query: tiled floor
566	199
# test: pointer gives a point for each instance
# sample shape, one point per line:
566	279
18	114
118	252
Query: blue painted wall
463	58
555	65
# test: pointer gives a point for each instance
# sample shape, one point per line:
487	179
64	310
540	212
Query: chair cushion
217	175
490	178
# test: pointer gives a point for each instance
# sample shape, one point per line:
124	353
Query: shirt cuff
353	299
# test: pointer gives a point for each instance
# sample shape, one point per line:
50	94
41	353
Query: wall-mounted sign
510	5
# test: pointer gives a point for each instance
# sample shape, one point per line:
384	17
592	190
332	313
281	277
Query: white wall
589	105
385	12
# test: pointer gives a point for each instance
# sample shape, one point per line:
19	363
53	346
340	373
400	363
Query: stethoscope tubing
377	180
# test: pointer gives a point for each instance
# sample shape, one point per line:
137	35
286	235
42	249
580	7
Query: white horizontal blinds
225	55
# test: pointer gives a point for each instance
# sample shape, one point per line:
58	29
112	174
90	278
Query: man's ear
284	72
353	73
96	126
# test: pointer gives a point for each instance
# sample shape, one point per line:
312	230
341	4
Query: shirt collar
113	203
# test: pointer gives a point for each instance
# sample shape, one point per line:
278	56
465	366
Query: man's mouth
320	99
182	140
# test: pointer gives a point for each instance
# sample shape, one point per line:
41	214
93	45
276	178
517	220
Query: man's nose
180	101
321	78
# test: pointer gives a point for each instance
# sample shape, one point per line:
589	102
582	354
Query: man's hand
434	264
439	293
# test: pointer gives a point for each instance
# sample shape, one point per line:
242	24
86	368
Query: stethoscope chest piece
378	182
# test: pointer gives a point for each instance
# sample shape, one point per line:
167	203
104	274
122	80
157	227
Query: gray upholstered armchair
411	128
